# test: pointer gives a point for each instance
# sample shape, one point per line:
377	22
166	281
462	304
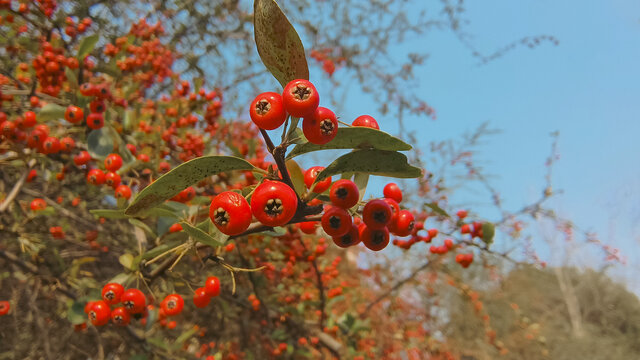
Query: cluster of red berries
72	29
95	176
134	304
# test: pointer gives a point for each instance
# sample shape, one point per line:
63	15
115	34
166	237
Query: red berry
376	214
310	177
374	239
351	238
82	158
132	149
112	292
95	177
87	89
123	192
267	111
172	304
230	213
212	286
321	126
120	316
143	158
67	144
175	228
200	298
274	203
5	306
462	214
404	223
465	229
99	313
95	121
51	145
134	301
113	162
344	193
366	121
29	119
300	98
38	204
392	191
96	106
308	227
112	179
336	221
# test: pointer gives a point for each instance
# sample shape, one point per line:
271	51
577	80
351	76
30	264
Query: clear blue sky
587	88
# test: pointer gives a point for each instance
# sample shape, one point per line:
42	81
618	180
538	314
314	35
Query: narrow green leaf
278	43
71	78
201	236
488	231
143	226
437	209
373	162
87	45
356	137
181	177
122	279
361	180
51	112
75	313
160	249
297	176
184	337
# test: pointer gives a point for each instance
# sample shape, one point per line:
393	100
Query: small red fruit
74	114
321	126
374	239
82	158
212	286
274	203
120	316
95	177
376	214
267	111
300	98
344	193
123	192
112	292
404	223
113	162
351	238
29	119
172	304
134	301
230	213
392	191
112	179
336	221
310	177
5	306
95	121
200	298
366	121
38	204
99	313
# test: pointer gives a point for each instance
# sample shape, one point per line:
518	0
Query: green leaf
297	176
160	249
276	232
437	209
71	78
126	260
356	137
373	162
76	314
278	43
488	231
143	226
361	180
109	214
100	143
87	45
202	236
51	112
122	279
181	177
184	337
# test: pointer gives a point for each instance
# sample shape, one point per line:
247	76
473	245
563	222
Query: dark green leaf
87	45
202	236
109	214
76	314
160	249
51	112
181	177
356	137
488	231
373	162
437	209
278	43
184	337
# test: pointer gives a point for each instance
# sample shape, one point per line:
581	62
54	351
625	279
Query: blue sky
587	88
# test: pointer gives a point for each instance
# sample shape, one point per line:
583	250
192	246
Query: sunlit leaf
181	177
87	45
278	43
372	162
